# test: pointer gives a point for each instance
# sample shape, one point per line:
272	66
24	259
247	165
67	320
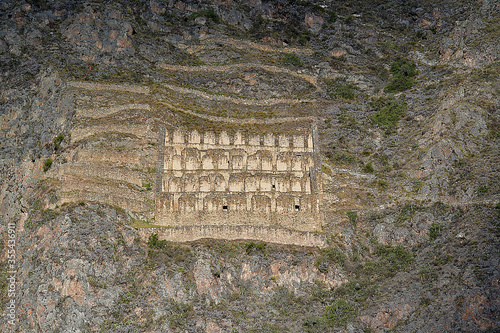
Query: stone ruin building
267	180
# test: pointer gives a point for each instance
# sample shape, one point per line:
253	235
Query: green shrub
332	18
368	168
57	141
339	313
291	59
380	184
417	185
403	72
154	243
47	164
255	247
388	111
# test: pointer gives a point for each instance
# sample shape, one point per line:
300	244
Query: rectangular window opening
297	208
224	207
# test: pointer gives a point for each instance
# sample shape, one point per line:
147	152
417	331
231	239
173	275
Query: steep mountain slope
406	97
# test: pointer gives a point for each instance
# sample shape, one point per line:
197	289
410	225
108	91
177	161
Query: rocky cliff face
407	100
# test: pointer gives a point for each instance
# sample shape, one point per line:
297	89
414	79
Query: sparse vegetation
47	164
380	184
482	189
339	313
181	314
403	72
388	111
291	59
329	257
368	168
352	216
435	231
57	141
143	224
161	251
340	157
340	89
209	14
447	267
253	247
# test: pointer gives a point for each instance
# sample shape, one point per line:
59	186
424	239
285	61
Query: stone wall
266	234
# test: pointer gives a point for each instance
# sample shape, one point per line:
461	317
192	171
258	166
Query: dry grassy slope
106	76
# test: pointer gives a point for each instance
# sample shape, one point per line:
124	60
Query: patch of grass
435	230
332	17
96	284
406	213
427	274
48	214
47	164
143	224
491	28
352	216
147	186
347	120
417	185
403	72
388	111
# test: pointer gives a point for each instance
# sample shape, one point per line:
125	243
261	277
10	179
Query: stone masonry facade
236	180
